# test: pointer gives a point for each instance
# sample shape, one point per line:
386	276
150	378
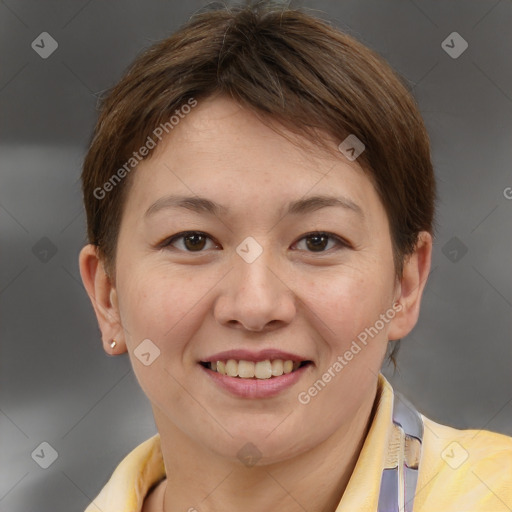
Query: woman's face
255	278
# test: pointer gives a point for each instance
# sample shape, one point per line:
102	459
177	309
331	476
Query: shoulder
132	479
469	470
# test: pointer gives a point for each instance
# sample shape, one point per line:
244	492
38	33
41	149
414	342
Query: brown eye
190	241
194	242
319	242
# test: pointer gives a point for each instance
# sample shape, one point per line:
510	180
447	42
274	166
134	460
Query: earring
113	343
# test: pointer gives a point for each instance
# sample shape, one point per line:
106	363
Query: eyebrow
299	207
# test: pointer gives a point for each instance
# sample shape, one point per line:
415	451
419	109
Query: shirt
460	470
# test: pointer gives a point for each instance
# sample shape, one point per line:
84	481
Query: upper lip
248	355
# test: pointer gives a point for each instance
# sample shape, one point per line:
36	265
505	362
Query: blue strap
400	474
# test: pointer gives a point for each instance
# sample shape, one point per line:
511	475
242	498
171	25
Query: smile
266	369
261	379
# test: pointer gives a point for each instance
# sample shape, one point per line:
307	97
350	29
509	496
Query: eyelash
168	241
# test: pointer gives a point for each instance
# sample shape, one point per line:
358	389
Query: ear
103	296
411	286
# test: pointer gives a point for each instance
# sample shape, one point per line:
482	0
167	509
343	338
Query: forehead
225	152
218	125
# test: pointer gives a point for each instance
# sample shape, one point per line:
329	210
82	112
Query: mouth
254	370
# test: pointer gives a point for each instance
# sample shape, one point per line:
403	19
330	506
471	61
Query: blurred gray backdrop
57	386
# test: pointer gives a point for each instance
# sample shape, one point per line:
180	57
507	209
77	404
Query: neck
314	480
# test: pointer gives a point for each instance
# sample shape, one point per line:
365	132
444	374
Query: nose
255	296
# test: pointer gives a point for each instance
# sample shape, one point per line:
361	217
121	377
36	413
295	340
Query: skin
195	304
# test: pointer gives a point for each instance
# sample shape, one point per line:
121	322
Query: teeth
277	367
287	366
221	367
263	369
231	368
250	370
246	369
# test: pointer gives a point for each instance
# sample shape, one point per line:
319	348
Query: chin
259	446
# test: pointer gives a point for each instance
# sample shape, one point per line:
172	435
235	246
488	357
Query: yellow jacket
460	470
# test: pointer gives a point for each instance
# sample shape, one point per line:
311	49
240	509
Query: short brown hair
286	66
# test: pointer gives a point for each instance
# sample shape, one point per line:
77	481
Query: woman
260	206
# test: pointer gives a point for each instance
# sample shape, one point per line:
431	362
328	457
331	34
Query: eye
318	241
192	241
195	241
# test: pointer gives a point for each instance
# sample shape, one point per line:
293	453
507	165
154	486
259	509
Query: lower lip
256	388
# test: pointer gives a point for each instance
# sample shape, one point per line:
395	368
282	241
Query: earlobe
412	284
103	297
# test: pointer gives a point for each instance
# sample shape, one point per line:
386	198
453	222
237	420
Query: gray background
56	383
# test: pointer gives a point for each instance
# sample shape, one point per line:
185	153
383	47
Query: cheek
156	307
166	307
152	300
346	302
